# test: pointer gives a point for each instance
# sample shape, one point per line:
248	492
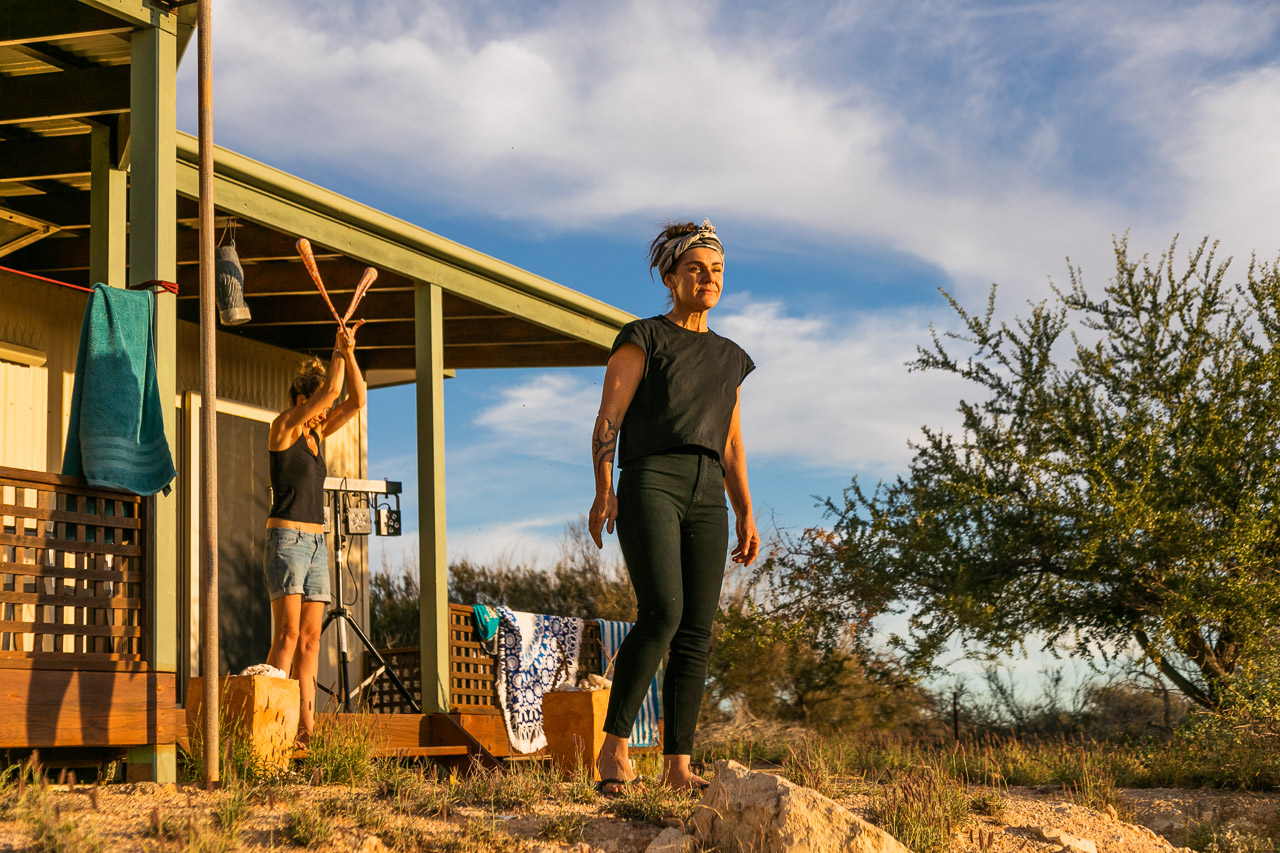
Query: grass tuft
306	825
566	828
921	809
341	751
653	804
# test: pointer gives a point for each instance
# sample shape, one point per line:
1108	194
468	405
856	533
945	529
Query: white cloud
827	392
578	120
1231	164
549	416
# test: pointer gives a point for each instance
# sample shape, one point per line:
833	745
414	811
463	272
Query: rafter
65	94
53	55
25	21
63	206
37	159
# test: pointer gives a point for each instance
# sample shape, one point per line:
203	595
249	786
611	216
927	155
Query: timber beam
53	55
388	254
65	94
66	208
41	159
25	21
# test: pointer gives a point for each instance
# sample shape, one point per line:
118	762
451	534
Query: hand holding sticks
309	261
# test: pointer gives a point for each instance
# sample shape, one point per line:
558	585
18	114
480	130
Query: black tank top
297	483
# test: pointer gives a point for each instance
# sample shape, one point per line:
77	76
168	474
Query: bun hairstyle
311	376
670	231
676	239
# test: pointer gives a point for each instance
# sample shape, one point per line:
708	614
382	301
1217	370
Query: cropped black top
687	392
297	482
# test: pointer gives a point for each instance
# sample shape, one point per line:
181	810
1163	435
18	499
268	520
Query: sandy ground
1148	821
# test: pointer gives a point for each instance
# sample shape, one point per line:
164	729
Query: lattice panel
384	698
72	574
472	670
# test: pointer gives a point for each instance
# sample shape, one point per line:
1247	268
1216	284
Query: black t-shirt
688	390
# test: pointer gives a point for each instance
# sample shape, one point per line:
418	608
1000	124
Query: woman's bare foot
679	776
614	766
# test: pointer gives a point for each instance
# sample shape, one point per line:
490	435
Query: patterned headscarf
677	246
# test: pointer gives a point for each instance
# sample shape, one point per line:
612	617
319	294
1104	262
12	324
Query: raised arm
289	425
356	390
735	485
621	379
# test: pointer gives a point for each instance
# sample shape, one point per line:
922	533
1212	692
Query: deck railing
72	575
472	670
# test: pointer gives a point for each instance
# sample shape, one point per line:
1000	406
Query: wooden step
422	751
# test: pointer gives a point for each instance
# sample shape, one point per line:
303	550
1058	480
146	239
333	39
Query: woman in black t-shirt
670	410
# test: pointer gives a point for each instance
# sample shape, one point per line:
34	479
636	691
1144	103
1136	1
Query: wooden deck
73	626
472	679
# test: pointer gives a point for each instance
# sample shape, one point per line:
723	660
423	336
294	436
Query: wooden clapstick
365	281
309	261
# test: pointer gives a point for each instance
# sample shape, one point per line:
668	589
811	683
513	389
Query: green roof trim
275	198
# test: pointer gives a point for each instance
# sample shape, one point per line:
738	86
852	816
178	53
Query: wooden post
209	413
153	255
107	210
433	580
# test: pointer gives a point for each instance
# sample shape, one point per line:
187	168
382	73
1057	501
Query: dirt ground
125	816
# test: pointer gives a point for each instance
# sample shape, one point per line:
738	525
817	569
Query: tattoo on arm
603	442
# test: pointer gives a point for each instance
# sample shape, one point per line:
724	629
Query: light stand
345	526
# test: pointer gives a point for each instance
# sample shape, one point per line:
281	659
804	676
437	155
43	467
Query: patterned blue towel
535	654
645	730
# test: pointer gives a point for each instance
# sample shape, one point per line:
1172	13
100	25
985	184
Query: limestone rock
371	844
1070	843
750	811
670	840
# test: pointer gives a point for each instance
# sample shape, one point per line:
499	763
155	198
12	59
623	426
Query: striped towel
535	654
645	730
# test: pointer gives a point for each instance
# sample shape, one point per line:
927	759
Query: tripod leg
391	673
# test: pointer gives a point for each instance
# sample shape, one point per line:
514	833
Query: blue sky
855	156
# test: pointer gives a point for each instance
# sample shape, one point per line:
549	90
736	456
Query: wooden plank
23	478
72	545
388	254
58	629
66	209
65	94
122	522
423	752
140	13
77	600
71	708
45	159
94	662
112	575
24	21
564	354
488	730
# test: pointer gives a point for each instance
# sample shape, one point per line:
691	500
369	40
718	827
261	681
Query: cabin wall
40	321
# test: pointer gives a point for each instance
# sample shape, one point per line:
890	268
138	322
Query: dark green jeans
673	527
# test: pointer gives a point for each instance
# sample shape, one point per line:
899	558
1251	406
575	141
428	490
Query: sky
855	157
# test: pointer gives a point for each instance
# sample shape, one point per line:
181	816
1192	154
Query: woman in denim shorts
297	561
670	408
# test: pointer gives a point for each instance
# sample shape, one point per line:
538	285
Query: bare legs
295	648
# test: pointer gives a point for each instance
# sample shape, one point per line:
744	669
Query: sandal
623	786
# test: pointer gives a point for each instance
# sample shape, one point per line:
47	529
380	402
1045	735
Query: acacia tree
1114	482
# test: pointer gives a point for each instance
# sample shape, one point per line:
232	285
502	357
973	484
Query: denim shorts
297	563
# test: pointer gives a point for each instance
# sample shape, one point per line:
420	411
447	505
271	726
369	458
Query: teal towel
115	438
